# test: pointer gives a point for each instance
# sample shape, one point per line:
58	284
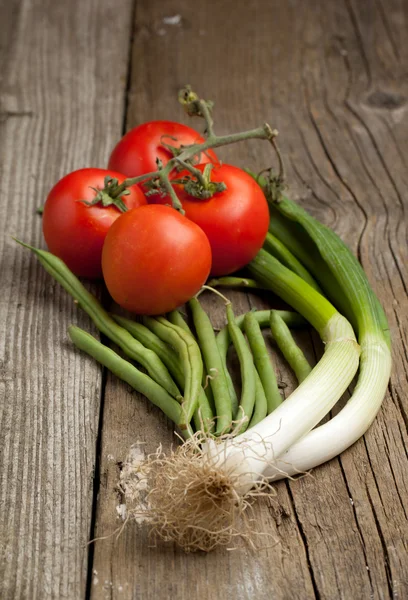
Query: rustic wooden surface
332	77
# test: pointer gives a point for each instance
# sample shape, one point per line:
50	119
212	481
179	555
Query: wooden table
332	77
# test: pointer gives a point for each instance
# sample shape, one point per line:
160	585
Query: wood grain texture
332	77
61	108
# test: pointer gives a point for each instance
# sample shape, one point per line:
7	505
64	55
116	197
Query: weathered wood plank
331	77
61	107
342	83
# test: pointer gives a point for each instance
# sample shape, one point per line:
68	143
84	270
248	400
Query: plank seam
387	563
98	457
129	67
360	534
304	541
96	485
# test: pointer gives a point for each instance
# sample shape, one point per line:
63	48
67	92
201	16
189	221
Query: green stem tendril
170	190
211	289
196	172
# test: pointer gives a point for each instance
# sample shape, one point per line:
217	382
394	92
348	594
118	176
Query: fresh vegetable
315	396
190	356
106	325
235	220
290	350
213	366
203	489
261	405
78	213
235	283
126	371
203	415
291	318
154	260
247	401
150	340
162	173
177	318
275	247
262	317
342	278
139	151
262	362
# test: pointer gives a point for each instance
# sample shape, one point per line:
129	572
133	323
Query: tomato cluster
153	258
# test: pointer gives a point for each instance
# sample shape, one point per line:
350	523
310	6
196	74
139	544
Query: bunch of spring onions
344	282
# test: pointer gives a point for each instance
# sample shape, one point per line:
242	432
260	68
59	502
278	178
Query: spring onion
343	280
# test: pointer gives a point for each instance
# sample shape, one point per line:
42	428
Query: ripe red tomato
154	260
136	153
235	221
76	232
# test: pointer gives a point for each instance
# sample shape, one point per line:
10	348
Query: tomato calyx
272	184
109	195
153	187
199	184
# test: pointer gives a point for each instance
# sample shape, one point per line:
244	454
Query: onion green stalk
248	453
343	280
275	247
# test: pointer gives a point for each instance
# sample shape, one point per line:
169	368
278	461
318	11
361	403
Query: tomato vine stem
196	106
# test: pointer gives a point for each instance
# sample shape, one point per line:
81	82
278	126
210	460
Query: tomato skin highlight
235	221
135	154
154	260
76	232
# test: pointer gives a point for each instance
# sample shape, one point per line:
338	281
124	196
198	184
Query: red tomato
136	153
235	221
76	232
154	260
